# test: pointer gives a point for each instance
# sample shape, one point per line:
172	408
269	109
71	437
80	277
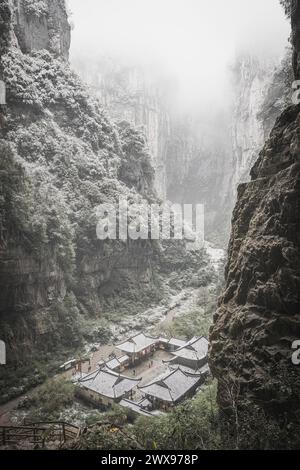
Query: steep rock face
278	94
183	151
60	158
251	81
295	19
197	160
206	161
130	96
199	170
259	314
42	24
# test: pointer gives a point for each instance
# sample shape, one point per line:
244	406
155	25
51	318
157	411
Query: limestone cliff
251	81
196	159
42	24
258	318
199	169
129	95
61	157
208	159
192	159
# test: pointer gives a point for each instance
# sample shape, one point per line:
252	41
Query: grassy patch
195	323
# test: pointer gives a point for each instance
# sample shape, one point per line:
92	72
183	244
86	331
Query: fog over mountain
115	339
190	41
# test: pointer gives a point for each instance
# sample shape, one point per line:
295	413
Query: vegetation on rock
36	8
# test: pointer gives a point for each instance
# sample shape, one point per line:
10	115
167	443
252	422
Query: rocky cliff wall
196	160
199	170
208	159
129	95
251	81
42	24
258	318
61	157
294	10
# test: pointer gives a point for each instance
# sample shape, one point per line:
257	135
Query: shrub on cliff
36	214
36	8
5	19
136	169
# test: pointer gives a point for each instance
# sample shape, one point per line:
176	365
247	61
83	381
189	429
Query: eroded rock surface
258	318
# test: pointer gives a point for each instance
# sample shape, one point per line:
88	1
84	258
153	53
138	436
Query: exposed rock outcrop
251	82
42	24
61	157
200	168
128	95
196	159
258	318
295	18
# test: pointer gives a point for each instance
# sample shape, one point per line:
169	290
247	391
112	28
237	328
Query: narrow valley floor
185	313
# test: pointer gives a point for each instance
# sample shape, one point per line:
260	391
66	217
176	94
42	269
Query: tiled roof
117	362
172	386
202	370
177	342
108	383
195	349
139	409
135	407
137	343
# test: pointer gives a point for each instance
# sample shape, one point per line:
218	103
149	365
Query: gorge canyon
78	131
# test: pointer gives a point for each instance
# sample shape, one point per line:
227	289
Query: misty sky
192	40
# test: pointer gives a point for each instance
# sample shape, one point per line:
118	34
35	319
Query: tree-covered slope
60	158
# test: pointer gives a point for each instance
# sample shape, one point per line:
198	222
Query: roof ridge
160	380
189	374
88	376
170	394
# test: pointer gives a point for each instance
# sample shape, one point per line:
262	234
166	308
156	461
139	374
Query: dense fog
190	42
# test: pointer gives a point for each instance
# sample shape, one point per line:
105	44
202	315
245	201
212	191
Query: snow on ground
216	255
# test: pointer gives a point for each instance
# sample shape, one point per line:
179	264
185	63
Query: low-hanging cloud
192	41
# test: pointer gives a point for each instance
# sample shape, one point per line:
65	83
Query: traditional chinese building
193	355
171	389
105	387
171	344
139	347
118	364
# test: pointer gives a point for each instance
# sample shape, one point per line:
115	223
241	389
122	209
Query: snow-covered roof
173	341
107	383
171	386
164	340
136	407
177	342
117	362
137	343
195	349
173	365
